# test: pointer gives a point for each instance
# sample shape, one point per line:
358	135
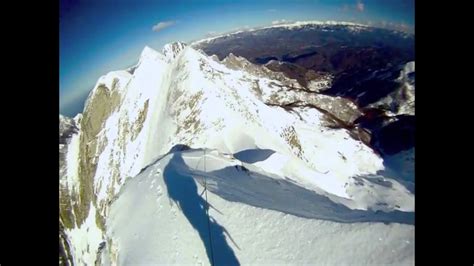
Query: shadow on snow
253	155
238	184
182	190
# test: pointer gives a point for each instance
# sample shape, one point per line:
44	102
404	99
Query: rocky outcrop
288	93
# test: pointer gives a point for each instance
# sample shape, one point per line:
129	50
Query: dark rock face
365	65
338	110
390	135
396	136
291	70
67	128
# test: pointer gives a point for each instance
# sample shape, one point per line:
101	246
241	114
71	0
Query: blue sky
98	36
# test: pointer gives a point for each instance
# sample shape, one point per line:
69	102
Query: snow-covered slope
183	97
255	218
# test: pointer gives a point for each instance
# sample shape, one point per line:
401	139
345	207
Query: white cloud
162	25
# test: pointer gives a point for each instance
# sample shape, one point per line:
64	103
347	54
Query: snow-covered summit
172	50
150	53
232	109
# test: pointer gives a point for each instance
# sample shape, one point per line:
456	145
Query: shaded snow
255	219
85	240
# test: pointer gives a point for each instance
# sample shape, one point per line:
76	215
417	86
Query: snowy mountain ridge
181	97
291	25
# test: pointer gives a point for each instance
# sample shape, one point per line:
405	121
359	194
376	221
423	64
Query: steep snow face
243	121
124	132
255	218
110	146
172	50
133	117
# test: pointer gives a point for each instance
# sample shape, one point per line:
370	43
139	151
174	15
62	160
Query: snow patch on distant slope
290	25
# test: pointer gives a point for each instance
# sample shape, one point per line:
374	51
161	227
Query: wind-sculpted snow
253	155
237	183
166	221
